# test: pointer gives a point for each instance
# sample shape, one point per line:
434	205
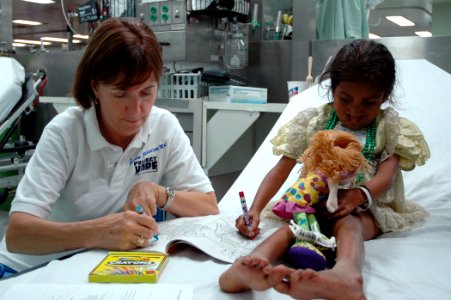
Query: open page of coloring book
215	235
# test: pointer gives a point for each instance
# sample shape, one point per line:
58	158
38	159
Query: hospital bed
19	96
414	264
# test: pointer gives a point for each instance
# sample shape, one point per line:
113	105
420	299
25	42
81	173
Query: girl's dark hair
364	61
123	52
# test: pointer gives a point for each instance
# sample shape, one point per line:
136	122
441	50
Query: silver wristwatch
170	194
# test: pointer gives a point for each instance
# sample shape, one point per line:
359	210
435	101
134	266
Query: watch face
170	193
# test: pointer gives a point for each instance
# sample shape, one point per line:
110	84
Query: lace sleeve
411	146
404	138
293	137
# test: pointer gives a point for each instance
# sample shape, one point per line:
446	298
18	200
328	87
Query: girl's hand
240	224
348	201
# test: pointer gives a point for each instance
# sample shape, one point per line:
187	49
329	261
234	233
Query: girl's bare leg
252	271
344	280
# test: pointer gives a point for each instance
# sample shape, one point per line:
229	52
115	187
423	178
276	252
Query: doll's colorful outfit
301	196
394	135
297	204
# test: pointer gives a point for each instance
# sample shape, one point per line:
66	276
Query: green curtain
341	19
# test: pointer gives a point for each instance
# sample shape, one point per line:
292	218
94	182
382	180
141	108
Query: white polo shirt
75	174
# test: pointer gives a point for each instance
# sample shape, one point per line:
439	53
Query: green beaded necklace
370	141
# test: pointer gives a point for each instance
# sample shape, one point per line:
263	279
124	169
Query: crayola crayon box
129	267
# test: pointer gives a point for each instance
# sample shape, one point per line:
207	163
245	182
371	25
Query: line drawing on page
215	235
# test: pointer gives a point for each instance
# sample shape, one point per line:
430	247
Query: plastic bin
182	86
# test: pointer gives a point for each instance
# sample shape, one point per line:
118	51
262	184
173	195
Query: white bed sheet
409	265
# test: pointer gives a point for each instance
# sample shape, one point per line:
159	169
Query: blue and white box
237	94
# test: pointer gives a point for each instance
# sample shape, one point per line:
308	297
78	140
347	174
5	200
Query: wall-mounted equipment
236	47
190	30
88	12
238	9
180	37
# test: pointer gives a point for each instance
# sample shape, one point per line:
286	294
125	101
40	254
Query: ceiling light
423	33
400	20
373	36
26	22
19	44
33	42
79	36
40	1
60	40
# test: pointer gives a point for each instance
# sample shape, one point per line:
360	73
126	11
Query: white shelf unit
189	114
221	130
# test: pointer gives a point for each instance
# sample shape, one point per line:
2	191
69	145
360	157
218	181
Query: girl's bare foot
247	272
335	284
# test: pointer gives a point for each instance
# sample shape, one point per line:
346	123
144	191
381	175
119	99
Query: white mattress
410	265
12	77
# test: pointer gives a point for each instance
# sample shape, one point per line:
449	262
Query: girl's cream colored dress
394	135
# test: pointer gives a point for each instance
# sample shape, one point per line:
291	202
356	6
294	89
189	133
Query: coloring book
215	235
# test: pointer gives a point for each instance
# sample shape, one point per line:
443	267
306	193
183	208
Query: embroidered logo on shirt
147	165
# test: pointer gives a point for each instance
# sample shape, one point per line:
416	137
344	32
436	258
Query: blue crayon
140	210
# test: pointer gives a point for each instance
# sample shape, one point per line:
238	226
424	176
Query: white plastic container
182	86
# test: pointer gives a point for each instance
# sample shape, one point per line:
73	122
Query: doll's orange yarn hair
334	153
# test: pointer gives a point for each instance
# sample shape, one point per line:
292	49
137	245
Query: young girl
362	78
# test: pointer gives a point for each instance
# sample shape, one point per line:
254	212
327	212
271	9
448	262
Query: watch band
170	194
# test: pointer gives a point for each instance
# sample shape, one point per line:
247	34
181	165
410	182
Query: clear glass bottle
236	50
